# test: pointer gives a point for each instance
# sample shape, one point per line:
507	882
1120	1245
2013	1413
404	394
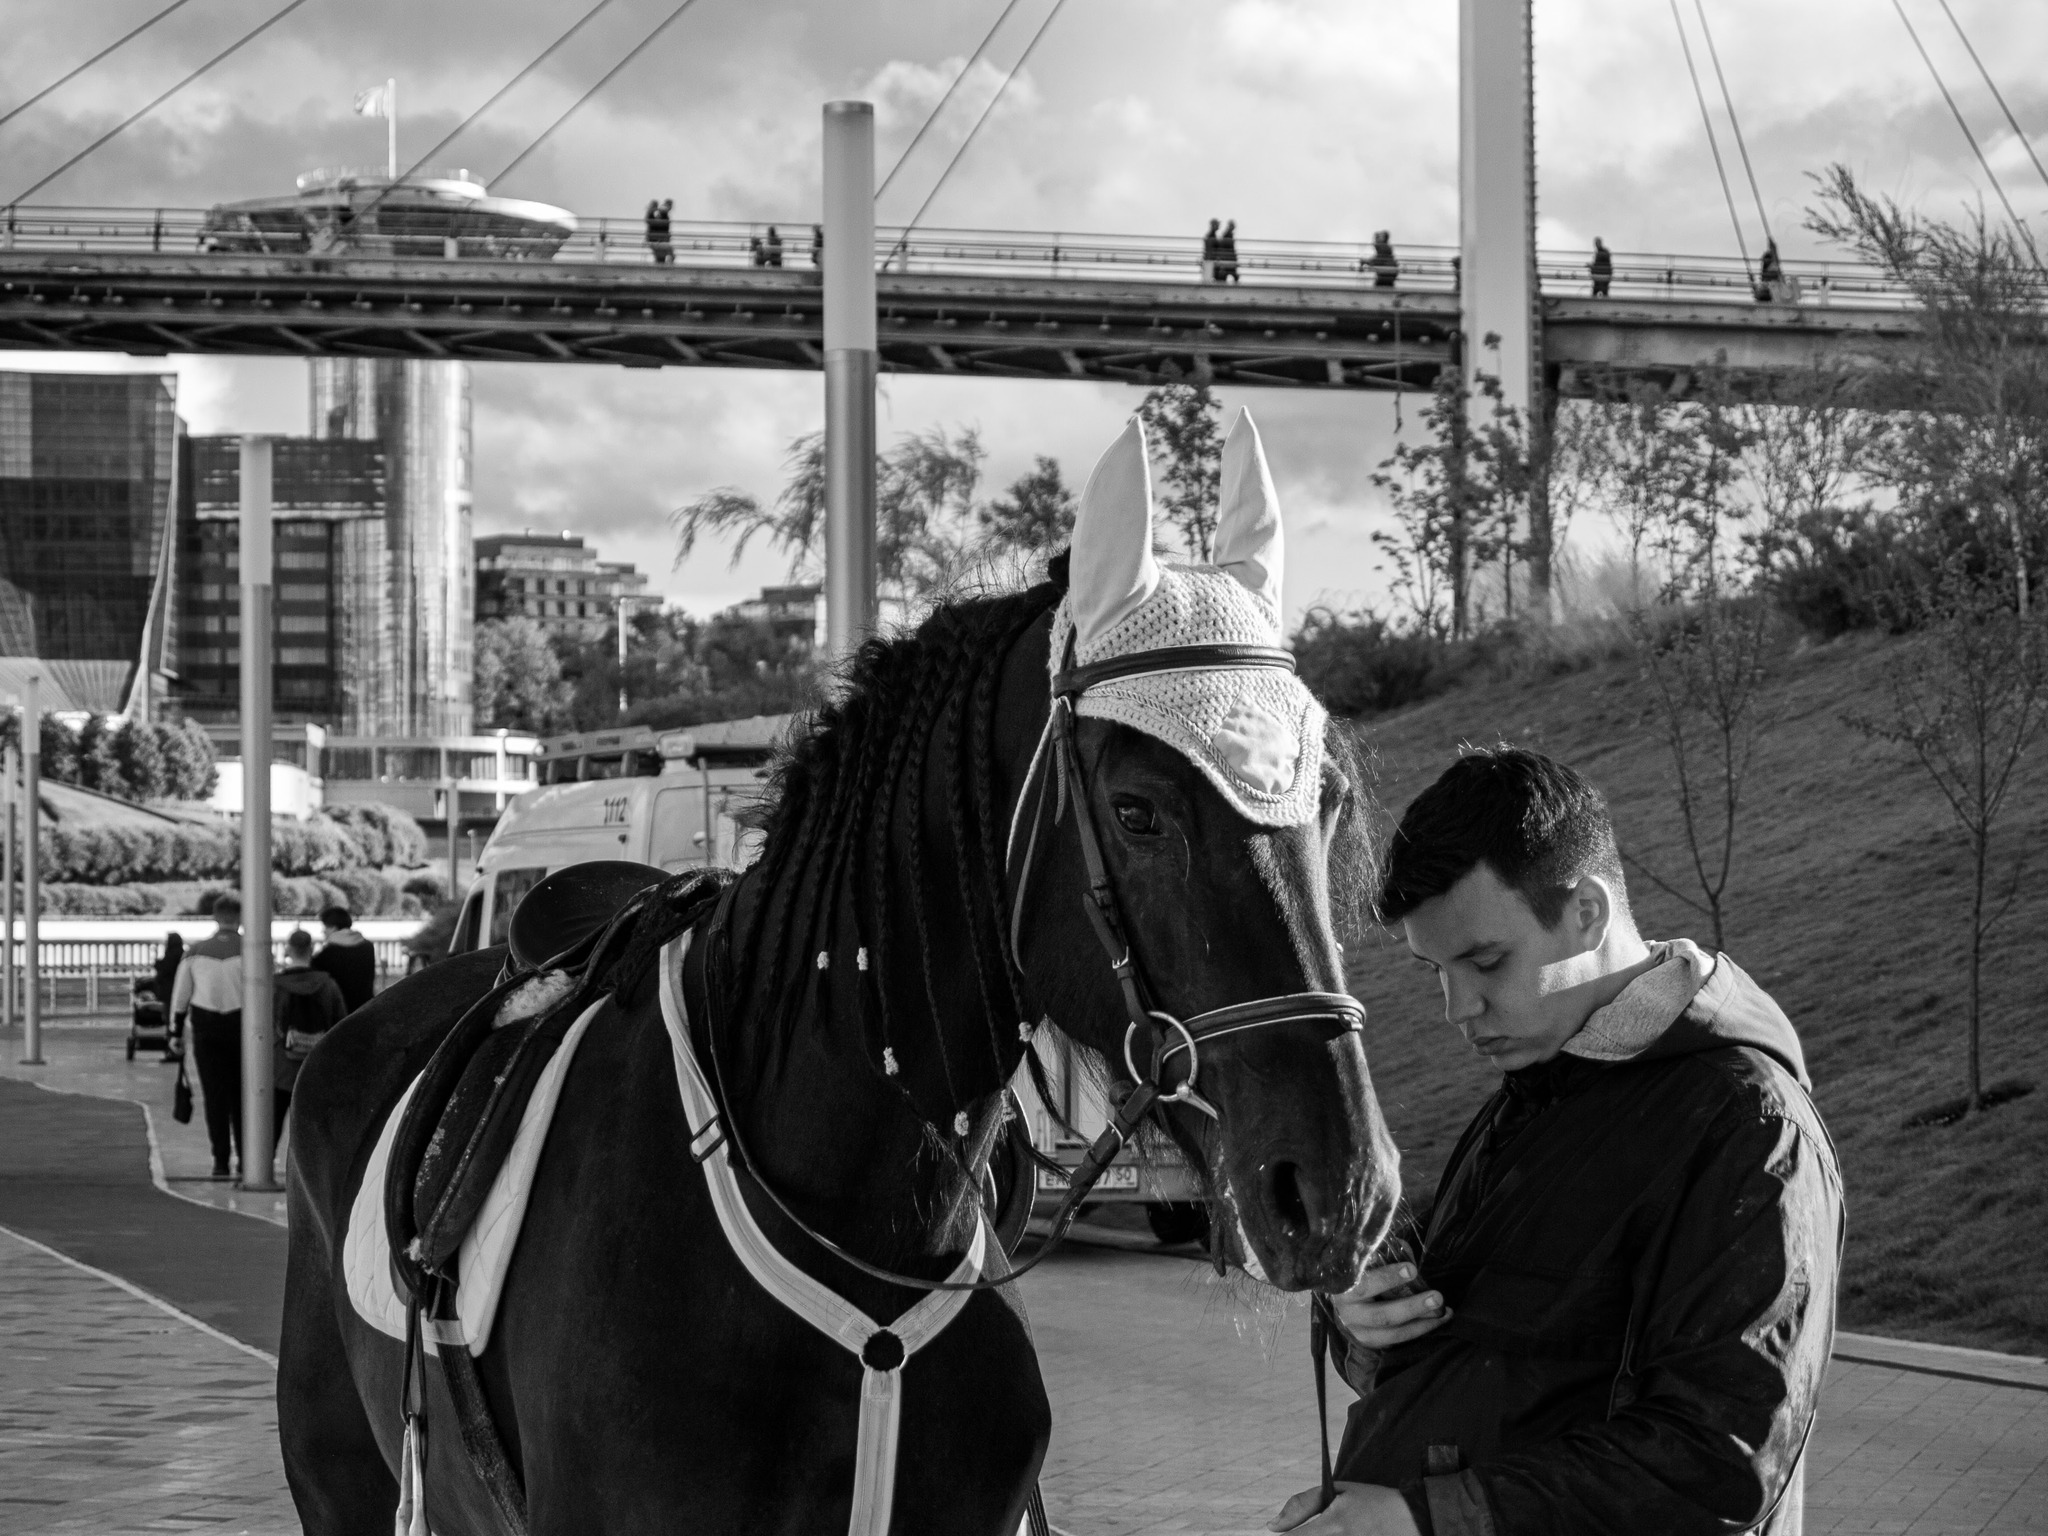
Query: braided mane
847	805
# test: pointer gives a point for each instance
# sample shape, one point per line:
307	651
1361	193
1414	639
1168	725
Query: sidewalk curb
2029	1373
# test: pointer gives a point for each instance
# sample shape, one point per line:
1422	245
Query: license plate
1112	1178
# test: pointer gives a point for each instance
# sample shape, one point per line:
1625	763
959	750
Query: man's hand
1378	1324
1361	1509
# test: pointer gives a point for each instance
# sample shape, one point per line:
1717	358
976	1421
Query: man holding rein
1619	1312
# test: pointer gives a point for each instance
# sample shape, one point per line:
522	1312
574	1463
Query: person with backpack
348	957
305	1004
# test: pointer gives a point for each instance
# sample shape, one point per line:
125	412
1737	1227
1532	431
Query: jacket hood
1689	1002
346	938
300	979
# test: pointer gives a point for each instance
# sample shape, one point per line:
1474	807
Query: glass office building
87	467
420	412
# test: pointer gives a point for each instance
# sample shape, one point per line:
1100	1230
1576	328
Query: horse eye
1136	816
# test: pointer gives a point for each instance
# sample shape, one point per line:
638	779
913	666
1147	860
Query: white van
685	798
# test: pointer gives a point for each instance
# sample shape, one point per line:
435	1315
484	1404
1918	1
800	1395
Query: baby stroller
149	1021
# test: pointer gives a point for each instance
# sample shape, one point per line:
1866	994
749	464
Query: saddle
581	933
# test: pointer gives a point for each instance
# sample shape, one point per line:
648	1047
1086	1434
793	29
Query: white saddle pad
486	1252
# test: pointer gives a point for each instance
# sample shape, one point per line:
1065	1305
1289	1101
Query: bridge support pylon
848	264
1498	294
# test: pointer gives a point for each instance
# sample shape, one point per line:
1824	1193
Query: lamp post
849	292
8	774
31	871
259	1088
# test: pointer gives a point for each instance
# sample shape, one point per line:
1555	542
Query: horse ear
1113	570
1249	543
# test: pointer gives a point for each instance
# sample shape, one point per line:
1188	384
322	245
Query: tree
1978	440
1034	517
1967	697
518	676
188	759
99	761
143	770
1434	502
59	743
1181	421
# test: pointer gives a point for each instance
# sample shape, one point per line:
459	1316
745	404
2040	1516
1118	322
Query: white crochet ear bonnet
1255	732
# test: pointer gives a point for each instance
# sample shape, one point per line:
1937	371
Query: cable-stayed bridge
970	303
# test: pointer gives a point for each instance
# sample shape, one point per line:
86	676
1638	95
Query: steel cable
66	79
2026	235
495	97
603	81
951	90
1734	122
1997	96
1713	143
1015	70
135	117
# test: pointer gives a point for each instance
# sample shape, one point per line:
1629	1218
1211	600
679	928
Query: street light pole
259	1086
849	292
31	870
8	774
622	656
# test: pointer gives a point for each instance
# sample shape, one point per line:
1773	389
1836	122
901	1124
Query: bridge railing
608	241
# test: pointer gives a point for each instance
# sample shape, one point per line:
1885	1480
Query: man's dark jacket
351	960
1639	1246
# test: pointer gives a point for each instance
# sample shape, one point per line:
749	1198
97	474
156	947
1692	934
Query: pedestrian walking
1211	243
817	245
209	991
1384	265
305	1004
347	956
757	254
772	248
658	228
1602	267
1770	273
653	223
1226	254
161	983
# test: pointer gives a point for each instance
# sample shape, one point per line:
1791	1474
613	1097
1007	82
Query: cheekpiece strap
1072	681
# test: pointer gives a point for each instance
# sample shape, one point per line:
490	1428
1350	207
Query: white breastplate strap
881	1408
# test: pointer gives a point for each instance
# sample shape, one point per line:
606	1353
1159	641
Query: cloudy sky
1301	119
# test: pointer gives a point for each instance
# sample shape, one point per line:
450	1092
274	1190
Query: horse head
1219	815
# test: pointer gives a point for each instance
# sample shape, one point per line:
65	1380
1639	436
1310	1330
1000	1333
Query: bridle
1170	1034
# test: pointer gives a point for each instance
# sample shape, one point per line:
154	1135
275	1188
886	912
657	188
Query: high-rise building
87	466
420	413
333	641
555	580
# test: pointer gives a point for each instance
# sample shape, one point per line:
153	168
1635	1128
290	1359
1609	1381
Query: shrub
1358	663
140	753
99	763
1838	570
60	750
188	760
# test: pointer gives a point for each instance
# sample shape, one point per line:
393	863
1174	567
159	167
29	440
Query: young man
305	1004
1619	1313
209	990
348	957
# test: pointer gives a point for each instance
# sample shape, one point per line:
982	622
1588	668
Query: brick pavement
116	1417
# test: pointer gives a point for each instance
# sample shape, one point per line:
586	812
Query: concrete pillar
1497	197
849	293
31	871
259	1091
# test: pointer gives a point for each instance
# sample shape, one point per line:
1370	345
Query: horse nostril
1283	1190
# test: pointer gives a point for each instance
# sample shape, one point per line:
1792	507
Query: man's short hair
335	917
299	942
1537	824
226	905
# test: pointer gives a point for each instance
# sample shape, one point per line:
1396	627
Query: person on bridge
771	248
1770	273
209	991
1620	1309
1212	243
1602	267
658	227
1226	254
817	245
1382	263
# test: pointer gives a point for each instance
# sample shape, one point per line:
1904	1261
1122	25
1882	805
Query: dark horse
638	1376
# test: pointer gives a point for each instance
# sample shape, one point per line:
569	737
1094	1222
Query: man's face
1510	985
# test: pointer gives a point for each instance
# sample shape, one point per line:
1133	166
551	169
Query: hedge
366	893
327	847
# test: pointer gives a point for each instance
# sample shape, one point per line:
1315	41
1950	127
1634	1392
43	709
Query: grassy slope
1849	904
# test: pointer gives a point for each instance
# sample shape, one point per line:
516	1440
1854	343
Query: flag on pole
375	102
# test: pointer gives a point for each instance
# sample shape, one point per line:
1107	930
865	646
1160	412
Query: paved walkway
1182	1404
